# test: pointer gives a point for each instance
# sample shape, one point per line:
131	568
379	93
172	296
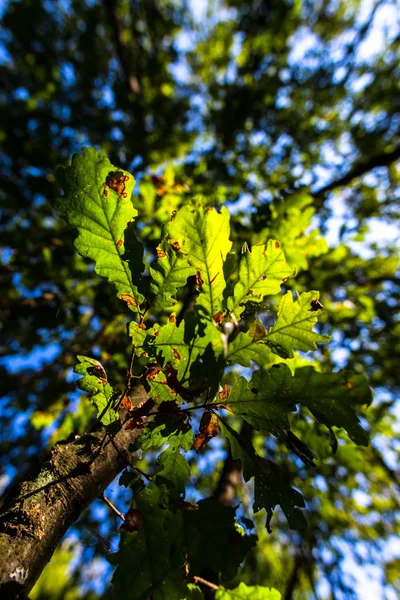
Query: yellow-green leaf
261	273
293	328
97	202
203	235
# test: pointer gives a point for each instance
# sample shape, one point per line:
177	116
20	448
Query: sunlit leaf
168	274
249	346
293	329
100	209
94	382
203	235
261	272
248	592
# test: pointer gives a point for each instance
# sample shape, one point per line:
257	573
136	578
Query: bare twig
197	579
114	508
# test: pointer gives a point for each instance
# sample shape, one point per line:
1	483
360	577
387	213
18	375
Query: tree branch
293	579
359	169
128	56
231	476
40	510
124	51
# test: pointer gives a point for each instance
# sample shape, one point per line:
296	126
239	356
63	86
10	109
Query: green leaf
213	540
94	382
203	235
174	471
168	274
270	488
290	222
195	593
261	273
332	398
293	328
248	592
149	561
248	346
262	402
165	429
194	349
178	345
101	215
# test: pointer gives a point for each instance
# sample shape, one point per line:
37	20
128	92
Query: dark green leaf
213	541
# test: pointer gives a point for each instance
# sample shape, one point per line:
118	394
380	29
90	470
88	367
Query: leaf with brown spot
168	274
249	346
219	317
176	354
203	236
161	253
224	393
130	300
152	373
214	278
126	402
293	329
199	280
101	221
209	428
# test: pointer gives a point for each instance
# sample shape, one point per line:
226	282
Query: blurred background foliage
287	112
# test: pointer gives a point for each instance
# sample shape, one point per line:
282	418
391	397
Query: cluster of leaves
275	97
181	352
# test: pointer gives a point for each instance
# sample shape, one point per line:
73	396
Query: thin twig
114	508
128	462
148	477
181	410
197	579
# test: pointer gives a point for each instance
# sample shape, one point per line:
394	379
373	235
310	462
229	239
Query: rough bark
359	169
37	514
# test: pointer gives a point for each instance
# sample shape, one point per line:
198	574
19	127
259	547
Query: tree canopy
228	237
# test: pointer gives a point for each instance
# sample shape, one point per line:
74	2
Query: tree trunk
40	510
